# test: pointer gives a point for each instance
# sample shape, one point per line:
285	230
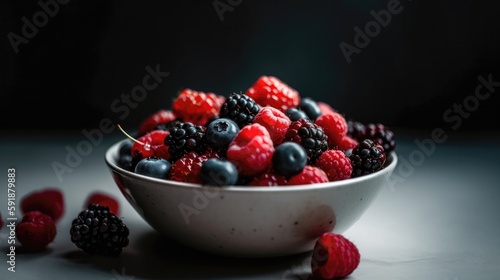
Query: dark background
88	54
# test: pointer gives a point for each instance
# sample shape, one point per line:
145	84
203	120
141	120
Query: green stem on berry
132	138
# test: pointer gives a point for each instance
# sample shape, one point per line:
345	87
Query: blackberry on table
97	231
240	108
185	137
367	157
311	136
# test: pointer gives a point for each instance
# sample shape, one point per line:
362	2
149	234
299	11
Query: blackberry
356	130
240	108
311	136
97	231
169	125
377	132
367	157
185	137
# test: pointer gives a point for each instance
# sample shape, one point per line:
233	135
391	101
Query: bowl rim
111	154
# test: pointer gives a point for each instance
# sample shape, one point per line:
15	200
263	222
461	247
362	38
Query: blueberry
218	172
125	159
310	107
296	114
289	159
125	148
127	162
153	167
216	117
220	133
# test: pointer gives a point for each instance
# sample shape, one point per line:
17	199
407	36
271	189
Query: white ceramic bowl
244	221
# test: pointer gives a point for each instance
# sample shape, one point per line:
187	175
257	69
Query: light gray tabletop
437	220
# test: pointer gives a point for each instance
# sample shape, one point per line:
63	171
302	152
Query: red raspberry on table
188	167
334	256
251	150
35	231
49	201
151	144
103	199
271	91
197	107
308	175
160	117
335	127
275	121
268	179
336	165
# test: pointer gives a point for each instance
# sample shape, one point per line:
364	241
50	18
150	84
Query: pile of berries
266	136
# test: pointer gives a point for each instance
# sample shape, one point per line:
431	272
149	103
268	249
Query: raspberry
49	201
251	150
334	256
335	127
336	165
240	108
103	199
35	231
271	91
377	132
151	144
268	179
308	175
184	138
346	143
275	121
197	107
367	157
325	108
97	231
187	168
155	121
310	136
1	221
